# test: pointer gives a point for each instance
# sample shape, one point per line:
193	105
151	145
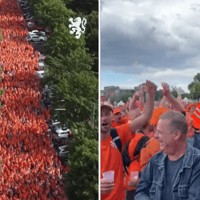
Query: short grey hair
177	121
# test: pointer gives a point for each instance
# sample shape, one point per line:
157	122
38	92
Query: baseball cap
116	110
107	104
191	105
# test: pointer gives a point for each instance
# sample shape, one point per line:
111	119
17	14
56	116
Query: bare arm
148	110
141	98
162	102
133	102
171	99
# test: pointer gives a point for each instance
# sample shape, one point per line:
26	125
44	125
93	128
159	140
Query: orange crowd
30	167
118	128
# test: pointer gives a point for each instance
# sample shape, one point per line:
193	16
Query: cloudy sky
149	39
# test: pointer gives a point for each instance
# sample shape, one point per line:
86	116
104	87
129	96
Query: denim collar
187	160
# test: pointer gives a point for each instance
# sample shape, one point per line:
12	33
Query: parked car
23	3
63	152
27	13
31	26
27	9
40	74
30	19
27	16
36	38
36	32
41	65
42	57
63	133
55	126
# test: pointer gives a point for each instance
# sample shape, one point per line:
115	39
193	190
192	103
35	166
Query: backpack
125	154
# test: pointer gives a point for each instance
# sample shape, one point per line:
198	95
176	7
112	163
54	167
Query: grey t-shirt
171	170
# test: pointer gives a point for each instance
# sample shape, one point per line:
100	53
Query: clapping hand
165	91
150	88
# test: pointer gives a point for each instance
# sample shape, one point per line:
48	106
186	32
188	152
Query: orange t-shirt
152	147
124	120
111	160
156	114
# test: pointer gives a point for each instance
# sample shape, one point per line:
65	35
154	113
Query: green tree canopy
71	66
195	91
196	79
82	180
89	10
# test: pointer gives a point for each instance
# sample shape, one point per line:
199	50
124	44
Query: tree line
193	87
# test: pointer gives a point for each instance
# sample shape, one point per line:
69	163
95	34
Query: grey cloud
146	39
120	50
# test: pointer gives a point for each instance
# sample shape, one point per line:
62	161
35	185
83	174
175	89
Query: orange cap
116	110
191	105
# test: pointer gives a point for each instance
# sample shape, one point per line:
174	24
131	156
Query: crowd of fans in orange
30	166
125	115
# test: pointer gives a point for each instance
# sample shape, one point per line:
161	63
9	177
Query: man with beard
174	172
111	158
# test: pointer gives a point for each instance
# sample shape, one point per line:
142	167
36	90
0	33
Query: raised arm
163	101
148	110
133	105
171	99
141	97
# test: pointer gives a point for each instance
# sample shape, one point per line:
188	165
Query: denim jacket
187	182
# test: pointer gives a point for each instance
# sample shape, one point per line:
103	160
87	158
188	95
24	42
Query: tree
179	90
158	96
196	79
187	95
82	180
89	10
124	98
174	92
51	13
195	91
92	37
194	86
70	72
68	64
85	7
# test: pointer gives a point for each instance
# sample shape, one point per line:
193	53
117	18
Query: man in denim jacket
174	172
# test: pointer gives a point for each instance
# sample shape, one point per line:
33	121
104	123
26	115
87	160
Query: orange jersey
148	152
111	160
156	114
124	120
